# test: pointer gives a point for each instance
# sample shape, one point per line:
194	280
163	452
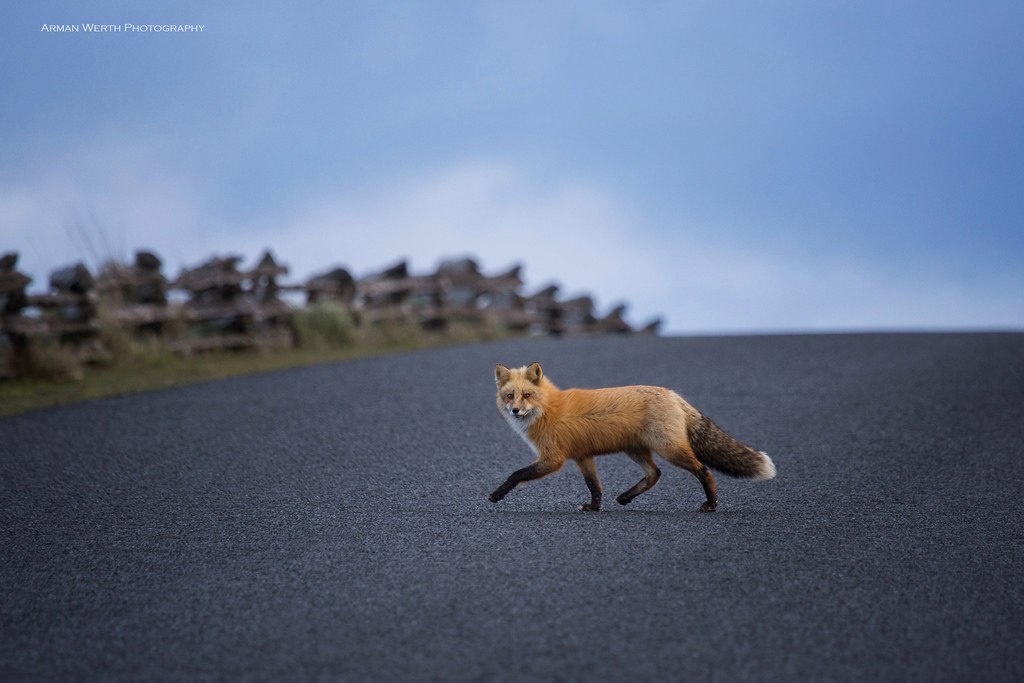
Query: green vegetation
324	326
323	334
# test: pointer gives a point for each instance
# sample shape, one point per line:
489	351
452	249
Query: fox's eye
509	396
526	395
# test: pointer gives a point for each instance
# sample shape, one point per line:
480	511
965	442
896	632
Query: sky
730	167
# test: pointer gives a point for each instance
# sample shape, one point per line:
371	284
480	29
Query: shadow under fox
578	424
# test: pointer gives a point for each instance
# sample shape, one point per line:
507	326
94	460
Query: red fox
577	424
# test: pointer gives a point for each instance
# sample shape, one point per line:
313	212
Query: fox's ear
534	373
501	374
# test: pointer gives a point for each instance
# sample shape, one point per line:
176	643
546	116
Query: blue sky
730	166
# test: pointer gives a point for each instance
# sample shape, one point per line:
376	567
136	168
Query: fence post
14	347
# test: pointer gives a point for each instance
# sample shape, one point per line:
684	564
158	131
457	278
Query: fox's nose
515	411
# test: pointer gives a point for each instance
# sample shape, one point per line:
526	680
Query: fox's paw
623	500
708	506
494	497
590	507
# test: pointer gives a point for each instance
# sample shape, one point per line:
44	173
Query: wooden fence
219	305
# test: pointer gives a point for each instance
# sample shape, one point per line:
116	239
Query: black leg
707	480
651	476
534	471
589	471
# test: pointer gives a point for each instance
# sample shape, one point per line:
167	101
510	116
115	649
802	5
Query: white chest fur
520	427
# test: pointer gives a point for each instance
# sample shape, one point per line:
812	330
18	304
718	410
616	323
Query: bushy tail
718	450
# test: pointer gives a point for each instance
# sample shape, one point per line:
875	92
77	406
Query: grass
325	326
22	395
323	335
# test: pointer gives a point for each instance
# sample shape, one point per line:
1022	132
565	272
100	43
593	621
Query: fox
579	424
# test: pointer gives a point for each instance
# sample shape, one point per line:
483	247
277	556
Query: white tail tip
767	467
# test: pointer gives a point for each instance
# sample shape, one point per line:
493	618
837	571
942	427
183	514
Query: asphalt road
332	522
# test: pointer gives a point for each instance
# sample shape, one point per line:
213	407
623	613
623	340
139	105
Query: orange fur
578	424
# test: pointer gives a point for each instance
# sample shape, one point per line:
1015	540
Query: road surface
332	522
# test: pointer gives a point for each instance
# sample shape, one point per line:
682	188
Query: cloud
106	200
591	240
97	202
567	231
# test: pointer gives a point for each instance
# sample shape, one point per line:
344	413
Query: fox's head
521	392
